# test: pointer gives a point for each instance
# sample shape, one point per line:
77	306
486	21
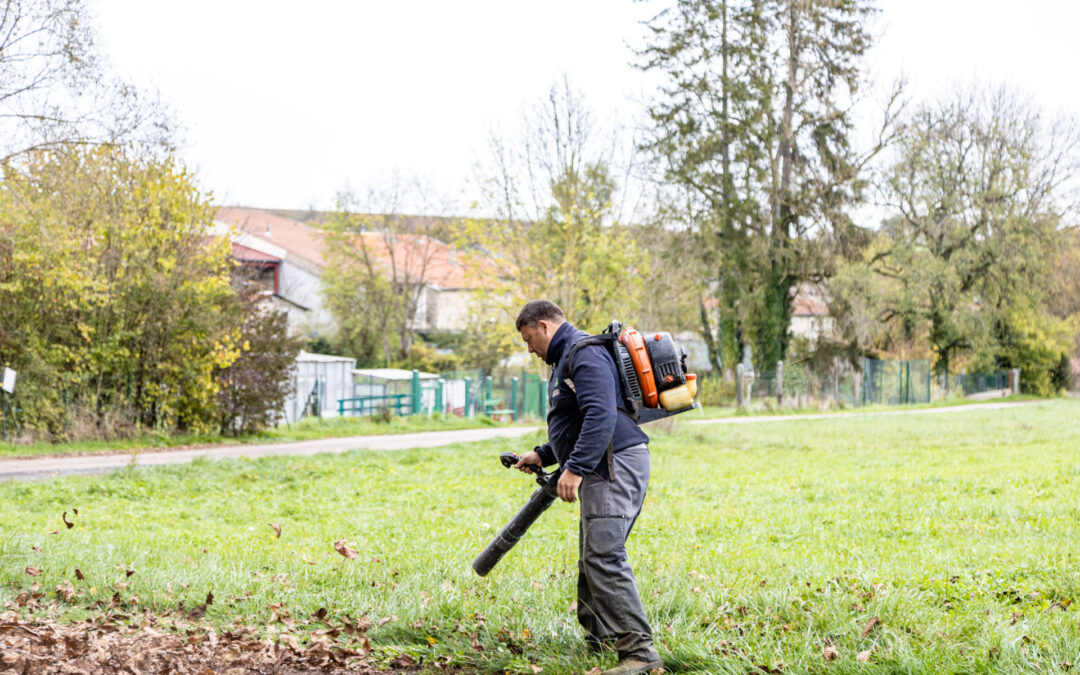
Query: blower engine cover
668	361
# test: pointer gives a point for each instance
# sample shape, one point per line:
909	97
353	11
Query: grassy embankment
768	406
760	545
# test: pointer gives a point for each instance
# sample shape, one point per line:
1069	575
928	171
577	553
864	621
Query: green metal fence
890	382
507	395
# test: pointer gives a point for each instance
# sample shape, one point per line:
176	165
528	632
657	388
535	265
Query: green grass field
760	546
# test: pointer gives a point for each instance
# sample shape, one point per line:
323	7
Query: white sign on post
8	382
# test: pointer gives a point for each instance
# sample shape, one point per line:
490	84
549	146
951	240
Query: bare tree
559	226
379	276
54	89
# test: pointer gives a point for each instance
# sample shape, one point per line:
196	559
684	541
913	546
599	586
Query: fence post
739	385
1016	380
468	388
543	398
519	413
487	395
513	398
439	396
779	383
414	393
865	384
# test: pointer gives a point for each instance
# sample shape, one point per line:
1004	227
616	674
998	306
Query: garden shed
320	381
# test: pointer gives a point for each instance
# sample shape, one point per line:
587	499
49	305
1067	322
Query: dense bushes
115	300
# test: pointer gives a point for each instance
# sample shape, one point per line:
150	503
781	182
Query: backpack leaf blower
655	384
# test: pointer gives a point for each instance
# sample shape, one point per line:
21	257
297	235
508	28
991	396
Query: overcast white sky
285	103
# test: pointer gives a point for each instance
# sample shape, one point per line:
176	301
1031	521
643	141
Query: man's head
537	324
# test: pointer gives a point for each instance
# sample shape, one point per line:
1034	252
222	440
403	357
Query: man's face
538	336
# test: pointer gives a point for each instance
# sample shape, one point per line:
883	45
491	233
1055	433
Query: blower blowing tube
540	500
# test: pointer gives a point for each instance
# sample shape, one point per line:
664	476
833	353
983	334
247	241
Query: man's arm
596	389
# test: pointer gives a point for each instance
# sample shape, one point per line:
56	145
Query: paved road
45	467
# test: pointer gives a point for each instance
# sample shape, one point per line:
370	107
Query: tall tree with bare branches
753	127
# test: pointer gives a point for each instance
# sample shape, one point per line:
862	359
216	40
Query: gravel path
45	467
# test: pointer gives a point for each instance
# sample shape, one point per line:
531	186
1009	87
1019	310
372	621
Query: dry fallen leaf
128	573
573	606
870	626
33	571
36	548
277	529
209	598
387	619
864	656
403	661
65	591
535	668
64	518
830	653
341	547
595	671
79	575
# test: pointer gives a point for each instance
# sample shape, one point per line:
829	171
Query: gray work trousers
609	607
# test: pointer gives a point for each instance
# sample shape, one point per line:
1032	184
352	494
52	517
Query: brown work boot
633	665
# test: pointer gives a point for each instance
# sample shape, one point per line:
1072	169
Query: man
605	460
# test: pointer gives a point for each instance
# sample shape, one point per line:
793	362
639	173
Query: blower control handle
509	459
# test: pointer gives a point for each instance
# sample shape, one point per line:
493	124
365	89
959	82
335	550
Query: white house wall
452	309
302	286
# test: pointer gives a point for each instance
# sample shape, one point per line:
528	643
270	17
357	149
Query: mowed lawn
929	543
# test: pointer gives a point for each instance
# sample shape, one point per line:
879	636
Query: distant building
810	316
285	258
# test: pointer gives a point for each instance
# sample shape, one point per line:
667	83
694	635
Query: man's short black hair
537	310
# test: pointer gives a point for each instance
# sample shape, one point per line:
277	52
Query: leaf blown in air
341	547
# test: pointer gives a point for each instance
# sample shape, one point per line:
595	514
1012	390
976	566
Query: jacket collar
562	339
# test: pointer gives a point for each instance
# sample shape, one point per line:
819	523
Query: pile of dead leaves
106	645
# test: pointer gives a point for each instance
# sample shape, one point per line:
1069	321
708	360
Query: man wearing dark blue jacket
604	456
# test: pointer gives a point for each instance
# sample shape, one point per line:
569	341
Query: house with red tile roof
286	257
810	316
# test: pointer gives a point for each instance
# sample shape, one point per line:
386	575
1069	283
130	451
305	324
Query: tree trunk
715	357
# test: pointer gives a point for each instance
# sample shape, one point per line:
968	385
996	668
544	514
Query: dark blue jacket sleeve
596	389
547	455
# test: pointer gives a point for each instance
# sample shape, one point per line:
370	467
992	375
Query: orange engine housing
639	355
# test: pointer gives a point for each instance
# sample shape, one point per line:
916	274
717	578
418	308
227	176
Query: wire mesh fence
876	382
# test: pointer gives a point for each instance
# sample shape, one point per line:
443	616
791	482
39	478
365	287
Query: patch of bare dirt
153	645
